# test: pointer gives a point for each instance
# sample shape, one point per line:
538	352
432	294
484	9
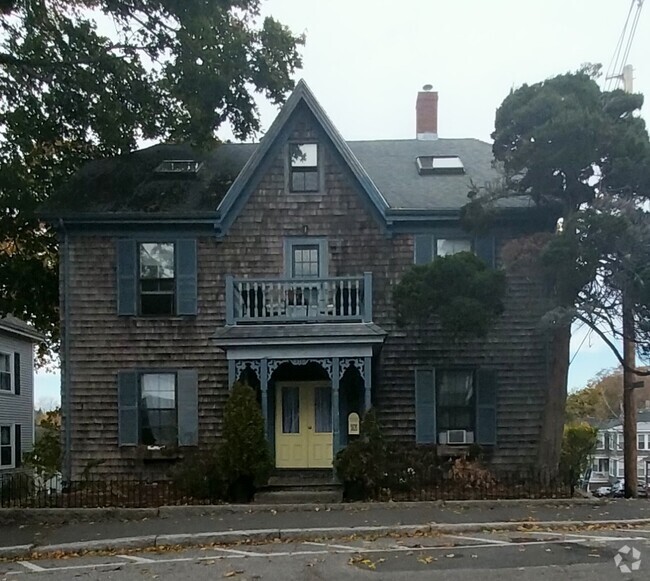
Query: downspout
65	366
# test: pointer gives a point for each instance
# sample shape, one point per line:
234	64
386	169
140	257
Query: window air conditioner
456	437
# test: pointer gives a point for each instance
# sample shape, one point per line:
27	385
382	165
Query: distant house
608	465
17	340
184	270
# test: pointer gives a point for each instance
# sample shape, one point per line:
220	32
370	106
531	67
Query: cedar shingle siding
103	344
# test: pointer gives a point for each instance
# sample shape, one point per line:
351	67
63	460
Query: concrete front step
302	478
295	495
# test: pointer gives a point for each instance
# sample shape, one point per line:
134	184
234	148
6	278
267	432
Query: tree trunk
629	403
550	444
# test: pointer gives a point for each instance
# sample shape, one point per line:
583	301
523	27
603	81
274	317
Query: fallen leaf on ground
233	573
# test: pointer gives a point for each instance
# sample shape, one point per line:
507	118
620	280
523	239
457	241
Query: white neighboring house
17	341
607	465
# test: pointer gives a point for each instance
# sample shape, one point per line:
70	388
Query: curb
291	534
10	516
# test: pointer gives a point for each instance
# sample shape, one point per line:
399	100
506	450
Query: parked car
618	490
602	491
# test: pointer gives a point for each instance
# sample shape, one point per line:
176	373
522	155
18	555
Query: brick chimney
426	114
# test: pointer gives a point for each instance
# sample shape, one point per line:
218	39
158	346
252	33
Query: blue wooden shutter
188	407
423	248
18	447
186	283
486	407
425	406
484	248
17	373
127	399
127	279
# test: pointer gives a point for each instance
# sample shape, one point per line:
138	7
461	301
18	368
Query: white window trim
12	445
600	441
12	374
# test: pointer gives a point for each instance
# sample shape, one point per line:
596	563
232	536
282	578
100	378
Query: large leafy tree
86	78
584	156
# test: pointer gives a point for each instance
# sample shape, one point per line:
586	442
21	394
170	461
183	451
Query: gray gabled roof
391	164
383	170
15	326
246	180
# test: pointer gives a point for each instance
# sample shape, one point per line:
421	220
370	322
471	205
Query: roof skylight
179	166
439	164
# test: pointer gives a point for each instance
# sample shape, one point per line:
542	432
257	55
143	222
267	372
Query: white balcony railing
251	300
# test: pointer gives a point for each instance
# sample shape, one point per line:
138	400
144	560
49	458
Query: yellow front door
303	425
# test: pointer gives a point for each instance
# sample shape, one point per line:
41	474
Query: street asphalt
592	554
190	520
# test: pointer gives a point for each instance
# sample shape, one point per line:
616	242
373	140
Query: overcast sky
365	60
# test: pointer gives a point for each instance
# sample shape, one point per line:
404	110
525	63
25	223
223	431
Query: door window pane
323	409
305	261
290	409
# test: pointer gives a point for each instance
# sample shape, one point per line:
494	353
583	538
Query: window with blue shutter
425	406
486	407
18	446
188	407
126	277
423	248
157	278
127	400
158	408
485	248
186	277
17	373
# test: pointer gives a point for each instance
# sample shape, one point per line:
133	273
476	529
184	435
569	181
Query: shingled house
182	271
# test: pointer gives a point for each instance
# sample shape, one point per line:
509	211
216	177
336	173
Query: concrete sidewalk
228	524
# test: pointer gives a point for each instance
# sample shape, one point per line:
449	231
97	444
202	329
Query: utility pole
629	401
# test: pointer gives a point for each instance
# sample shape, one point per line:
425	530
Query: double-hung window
158	412
157	278
7	447
6	372
304	175
642	442
449	246
601	465
456	409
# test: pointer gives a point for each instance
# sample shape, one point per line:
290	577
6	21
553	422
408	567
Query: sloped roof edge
302	93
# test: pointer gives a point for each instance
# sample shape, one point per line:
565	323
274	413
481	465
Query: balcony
285	300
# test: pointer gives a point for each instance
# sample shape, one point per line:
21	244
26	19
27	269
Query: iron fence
22	490
423	484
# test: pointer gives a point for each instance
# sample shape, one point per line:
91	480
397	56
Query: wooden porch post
264	387
367	384
231	373
336	435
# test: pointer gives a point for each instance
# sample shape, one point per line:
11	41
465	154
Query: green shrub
244	457
363	464
45	457
578	444
199	477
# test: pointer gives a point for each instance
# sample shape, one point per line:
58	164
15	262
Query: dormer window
303	167
438	164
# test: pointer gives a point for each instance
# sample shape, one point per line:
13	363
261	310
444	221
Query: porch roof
299	334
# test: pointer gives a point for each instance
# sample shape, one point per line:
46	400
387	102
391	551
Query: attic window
443	164
179	166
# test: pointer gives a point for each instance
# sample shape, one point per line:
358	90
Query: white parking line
231	554
136	559
31	566
480	540
342	547
240	553
602	538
